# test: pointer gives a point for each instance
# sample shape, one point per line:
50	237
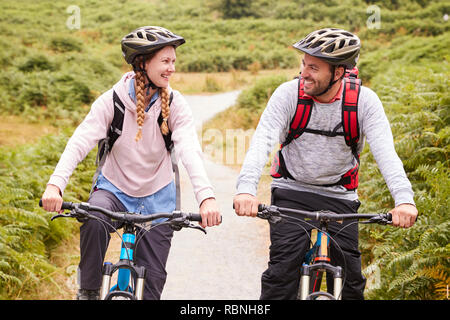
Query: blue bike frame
127	271
126	254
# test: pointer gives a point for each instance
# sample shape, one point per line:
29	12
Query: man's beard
316	88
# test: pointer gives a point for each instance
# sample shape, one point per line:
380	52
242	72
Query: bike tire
120	295
320	295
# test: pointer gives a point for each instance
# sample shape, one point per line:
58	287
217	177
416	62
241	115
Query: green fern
26	235
420	119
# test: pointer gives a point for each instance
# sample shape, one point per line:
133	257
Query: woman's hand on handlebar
210	213
245	204
52	199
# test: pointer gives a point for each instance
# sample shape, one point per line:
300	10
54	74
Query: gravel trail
227	262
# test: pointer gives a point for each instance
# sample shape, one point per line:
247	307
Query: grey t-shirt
314	159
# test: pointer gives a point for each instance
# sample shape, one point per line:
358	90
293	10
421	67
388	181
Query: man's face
316	73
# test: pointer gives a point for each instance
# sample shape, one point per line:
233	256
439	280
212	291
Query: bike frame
317	261
127	270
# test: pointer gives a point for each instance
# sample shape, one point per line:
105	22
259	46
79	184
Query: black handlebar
82	208
274	214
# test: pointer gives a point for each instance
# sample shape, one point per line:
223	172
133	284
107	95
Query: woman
137	174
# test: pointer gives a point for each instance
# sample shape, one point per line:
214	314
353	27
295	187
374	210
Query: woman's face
161	67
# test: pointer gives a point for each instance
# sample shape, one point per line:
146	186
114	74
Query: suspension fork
125	267
320	264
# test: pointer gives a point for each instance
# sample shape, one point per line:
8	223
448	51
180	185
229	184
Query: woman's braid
140	107
165	110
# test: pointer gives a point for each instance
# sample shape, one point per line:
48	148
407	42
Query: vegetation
414	262
53	72
26	236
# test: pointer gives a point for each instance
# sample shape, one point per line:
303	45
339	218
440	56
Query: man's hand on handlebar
245	204
404	215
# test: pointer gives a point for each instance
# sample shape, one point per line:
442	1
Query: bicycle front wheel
120	295
320	295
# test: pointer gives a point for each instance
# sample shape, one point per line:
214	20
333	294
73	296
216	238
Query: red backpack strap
302	114
352	73
352	88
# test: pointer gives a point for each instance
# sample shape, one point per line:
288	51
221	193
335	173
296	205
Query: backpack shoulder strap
167	138
350	124
302	114
115	130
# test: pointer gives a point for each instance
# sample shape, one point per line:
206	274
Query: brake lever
271	214
79	214
60	216
275	219
179	223
382	219
193	226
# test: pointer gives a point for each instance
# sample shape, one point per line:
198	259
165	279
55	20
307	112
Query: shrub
255	98
212	85
65	44
235	9
36	63
26	235
414	262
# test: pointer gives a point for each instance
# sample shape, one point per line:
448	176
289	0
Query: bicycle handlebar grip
67	206
64	206
261	207
198	217
195	217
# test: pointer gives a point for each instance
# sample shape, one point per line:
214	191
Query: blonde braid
165	110
140	106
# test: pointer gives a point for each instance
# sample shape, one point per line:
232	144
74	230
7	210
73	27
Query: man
312	167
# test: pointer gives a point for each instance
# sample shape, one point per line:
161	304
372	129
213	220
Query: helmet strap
332	82
140	68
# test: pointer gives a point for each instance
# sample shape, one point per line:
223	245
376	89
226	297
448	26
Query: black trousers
152	251
290	242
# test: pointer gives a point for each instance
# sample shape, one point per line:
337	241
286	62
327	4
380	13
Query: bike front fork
308	270
138	274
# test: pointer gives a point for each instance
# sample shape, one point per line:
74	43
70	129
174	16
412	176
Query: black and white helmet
336	46
145	40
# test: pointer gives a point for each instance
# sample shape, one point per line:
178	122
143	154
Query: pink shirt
138	168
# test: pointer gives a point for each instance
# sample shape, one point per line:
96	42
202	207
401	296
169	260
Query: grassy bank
26	235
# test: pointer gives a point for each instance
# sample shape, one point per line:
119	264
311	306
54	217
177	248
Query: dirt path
227	262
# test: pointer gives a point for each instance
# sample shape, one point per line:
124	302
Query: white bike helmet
336	46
